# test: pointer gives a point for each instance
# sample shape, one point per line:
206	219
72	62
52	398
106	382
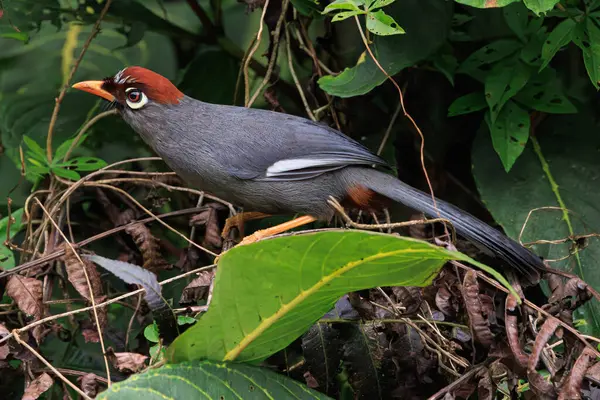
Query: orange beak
94	87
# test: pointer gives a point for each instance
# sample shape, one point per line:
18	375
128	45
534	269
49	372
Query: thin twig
85	128
100	305
273	59
89	283
388	131
23	343
528	304
251	54
338	207
163	223
295	77
63	91
59	253
406	114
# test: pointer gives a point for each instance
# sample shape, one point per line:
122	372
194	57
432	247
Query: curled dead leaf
478	317
149	246
542	388
38	386
512	331
444	301
89	384
27	293
77	276
571	388
198	288
131	362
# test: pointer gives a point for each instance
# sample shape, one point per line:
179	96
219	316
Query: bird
272	163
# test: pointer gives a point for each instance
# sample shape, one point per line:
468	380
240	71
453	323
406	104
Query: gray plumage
281	164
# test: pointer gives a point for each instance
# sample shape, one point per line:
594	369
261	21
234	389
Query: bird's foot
255	237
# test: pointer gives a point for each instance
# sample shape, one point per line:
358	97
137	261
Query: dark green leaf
477	64
252	315
510	133
209	380
566	165
61	151
544	93
587	37
322	349
65	173
35	150
504	81
84	164
540	6
395	52
516	18
467	104
382	24
362	357
307	7
558	38
446	64
7	258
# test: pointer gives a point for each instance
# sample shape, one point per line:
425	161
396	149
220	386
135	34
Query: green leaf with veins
559	171
510	132
382	24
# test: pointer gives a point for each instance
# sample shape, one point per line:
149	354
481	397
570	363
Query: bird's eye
135	98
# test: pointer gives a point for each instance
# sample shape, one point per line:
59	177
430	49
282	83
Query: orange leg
238	221
274	230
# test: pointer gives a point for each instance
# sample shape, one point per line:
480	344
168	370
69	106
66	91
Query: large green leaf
209	380
269	293
27	98
395	52
563	173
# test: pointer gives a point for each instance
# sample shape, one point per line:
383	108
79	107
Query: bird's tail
475	230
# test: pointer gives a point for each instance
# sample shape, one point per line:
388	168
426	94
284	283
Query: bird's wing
279	147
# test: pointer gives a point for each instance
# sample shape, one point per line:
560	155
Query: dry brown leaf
148	246
542	388
571	388
132	362
38	386
444	302
27	293
512	331
89	384
4	349
77	277
480	324
198	288
209	218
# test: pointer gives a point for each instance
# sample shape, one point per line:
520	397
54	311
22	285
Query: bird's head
134	89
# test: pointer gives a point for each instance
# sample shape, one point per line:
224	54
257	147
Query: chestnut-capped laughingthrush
274	163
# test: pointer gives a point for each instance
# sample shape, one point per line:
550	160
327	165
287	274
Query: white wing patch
295	164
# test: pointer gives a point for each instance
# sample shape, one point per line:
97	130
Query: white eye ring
134	102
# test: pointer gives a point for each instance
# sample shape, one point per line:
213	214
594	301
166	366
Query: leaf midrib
303	295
